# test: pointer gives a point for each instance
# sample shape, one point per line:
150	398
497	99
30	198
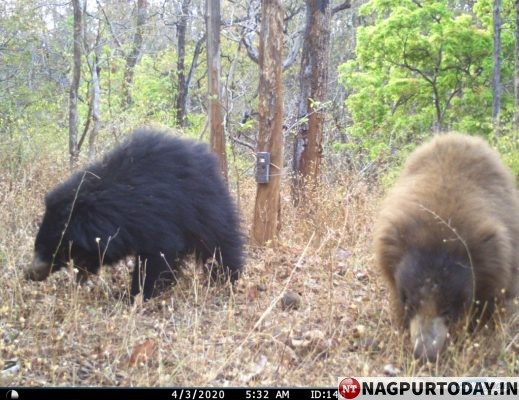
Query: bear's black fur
156	197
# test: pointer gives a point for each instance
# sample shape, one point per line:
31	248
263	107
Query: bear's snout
38	270
428	336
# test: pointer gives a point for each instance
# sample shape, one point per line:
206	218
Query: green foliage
32	106
246	126
508	146
421	66
154	89
195	124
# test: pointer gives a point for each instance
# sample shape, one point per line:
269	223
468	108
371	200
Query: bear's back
155	155
453	183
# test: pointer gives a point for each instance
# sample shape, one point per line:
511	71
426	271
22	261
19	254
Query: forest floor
56	333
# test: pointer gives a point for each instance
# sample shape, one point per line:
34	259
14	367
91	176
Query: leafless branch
294	50
243	143
252	51
344	6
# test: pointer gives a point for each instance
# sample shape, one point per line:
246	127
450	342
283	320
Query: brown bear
447	238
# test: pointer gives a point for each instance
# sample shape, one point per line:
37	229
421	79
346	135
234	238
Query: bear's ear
490	233
78	234
390	239
491	240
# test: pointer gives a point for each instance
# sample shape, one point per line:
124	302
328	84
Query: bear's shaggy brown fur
447	238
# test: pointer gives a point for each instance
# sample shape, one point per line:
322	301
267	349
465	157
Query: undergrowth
56	333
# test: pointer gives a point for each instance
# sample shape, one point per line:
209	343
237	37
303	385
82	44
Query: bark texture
267	206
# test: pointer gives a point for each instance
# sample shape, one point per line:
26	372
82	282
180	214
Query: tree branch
252	52
344	6
239	141
109	25
194	61
294	50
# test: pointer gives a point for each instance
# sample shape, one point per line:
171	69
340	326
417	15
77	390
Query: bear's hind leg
151	274
231	261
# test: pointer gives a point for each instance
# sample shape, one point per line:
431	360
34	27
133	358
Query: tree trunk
496	74
95	70
516	86
194	63
229	79
438	125
267	206
133	57
181	73
217	134
313	82
74	87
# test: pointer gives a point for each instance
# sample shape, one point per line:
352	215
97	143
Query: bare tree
217	133
496	74
313	82
293	42
181	76
95	97
267	208
516	86
133	57
74	85
92	52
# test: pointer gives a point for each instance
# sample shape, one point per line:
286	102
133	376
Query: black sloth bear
447	239
156	197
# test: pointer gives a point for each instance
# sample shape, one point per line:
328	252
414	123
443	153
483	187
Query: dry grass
58	333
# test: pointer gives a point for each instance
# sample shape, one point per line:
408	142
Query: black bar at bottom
173	393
